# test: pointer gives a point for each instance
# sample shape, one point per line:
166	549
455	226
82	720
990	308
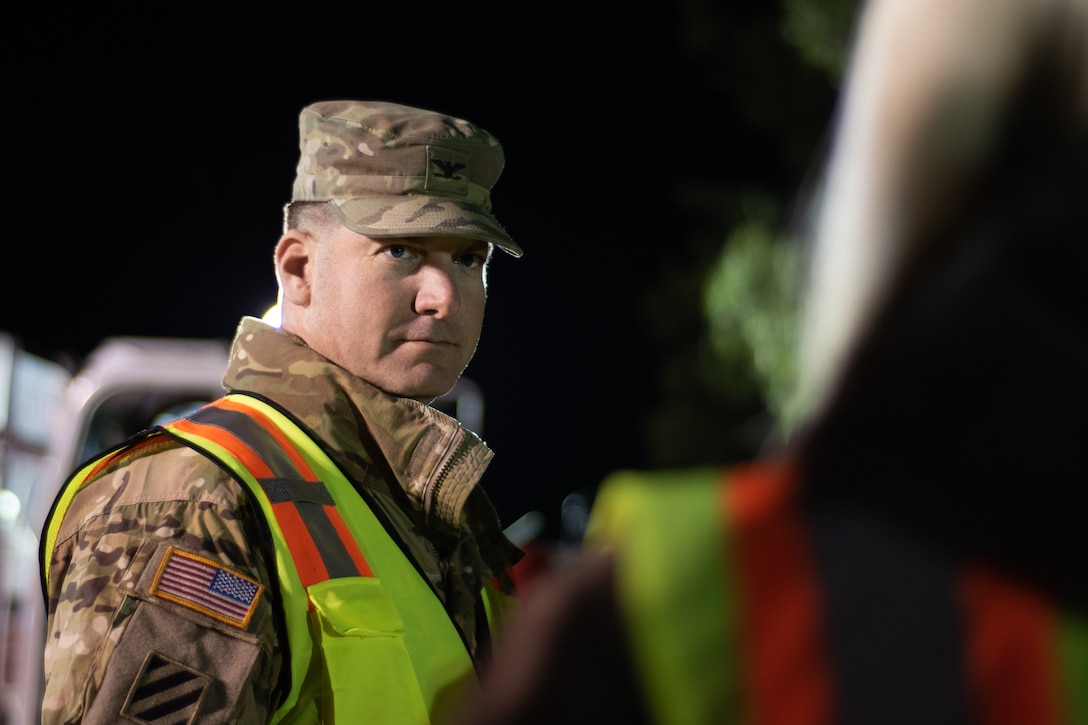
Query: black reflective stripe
337	560
894	628
310	497
253	434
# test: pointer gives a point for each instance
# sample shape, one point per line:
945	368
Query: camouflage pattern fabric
390	170
114	639
102	618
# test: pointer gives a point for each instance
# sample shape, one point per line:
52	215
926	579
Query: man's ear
294	257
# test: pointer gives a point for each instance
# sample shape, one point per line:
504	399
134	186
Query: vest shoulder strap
257	442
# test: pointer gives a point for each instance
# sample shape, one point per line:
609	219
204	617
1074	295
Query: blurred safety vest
742	607
391	653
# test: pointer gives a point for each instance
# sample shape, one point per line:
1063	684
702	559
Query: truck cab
51	421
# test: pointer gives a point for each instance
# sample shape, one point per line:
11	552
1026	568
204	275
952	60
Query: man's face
404	314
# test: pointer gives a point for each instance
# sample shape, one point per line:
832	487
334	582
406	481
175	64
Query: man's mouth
430	341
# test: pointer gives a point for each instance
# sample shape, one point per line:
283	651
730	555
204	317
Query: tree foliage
727	337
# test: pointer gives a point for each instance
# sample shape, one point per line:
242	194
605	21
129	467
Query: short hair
315	218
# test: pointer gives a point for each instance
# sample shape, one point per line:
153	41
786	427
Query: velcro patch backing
207	587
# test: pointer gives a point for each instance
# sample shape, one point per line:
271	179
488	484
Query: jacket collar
434	459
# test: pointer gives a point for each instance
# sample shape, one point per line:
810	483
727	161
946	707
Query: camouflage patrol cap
390	170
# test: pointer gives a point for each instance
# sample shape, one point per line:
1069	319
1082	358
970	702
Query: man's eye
398	251
470	260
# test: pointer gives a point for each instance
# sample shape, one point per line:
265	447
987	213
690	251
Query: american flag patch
206	587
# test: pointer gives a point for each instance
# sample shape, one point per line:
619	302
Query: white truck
52	420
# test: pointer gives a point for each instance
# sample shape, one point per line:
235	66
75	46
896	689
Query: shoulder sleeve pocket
167	668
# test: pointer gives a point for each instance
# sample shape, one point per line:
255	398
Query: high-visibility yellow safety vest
390	652
741	605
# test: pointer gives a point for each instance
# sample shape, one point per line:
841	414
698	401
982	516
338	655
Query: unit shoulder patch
166	692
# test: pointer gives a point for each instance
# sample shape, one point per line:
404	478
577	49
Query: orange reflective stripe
1011	652
781	615
111	458
307	557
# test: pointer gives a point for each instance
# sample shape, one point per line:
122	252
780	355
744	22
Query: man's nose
438	293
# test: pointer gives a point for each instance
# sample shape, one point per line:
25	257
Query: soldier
313	546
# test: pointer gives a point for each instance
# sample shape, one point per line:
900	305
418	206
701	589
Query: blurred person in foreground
314	546
915	551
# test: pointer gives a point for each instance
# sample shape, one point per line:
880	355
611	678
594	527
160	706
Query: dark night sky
152	156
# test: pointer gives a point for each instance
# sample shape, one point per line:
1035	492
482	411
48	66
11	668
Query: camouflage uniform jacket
103	622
